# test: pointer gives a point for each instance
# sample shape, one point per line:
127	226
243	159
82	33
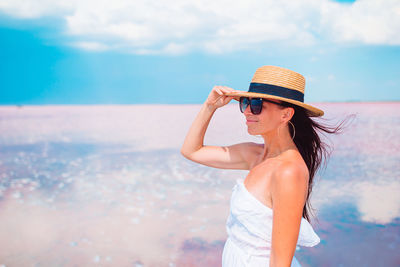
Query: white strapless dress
249	228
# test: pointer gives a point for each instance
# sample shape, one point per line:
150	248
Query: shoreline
184	104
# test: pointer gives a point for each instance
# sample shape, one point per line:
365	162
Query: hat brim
311	111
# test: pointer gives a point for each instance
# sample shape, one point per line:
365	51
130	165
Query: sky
174	52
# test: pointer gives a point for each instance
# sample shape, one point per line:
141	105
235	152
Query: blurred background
96	98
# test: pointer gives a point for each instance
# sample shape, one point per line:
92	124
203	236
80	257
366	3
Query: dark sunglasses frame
256	104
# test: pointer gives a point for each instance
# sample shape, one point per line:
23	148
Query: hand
217	99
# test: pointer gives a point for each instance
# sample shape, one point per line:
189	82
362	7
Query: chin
252	132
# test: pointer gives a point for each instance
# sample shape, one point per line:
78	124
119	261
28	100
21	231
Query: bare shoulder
290	170
290	177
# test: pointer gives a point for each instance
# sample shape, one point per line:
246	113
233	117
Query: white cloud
91	46
179	26
368	21
35	9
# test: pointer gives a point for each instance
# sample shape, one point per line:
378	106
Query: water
107	186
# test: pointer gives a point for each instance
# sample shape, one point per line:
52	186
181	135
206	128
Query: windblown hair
313	150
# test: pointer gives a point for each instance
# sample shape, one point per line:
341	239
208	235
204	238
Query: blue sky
71	53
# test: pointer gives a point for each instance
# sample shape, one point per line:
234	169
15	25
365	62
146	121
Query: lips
247	120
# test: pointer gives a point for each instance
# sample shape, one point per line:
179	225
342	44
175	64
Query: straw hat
279	83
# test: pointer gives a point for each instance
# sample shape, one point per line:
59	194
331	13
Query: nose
247	111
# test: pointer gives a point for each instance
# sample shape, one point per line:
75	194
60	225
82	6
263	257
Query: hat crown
280	77
278	83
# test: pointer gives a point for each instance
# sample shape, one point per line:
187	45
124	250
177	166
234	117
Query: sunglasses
256	104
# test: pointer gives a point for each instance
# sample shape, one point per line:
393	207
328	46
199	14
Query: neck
275	145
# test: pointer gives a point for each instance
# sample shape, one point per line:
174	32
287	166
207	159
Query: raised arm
229	157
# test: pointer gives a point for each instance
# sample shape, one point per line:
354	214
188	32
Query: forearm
195	137
282	262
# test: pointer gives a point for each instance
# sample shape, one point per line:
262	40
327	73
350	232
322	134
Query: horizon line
131	104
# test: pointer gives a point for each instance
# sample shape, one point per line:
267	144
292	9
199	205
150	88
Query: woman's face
267	121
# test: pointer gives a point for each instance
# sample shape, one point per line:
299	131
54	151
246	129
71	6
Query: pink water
107	186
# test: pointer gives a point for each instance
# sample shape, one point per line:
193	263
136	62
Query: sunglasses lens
244	102
256	105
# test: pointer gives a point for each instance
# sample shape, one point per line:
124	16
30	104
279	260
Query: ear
287	113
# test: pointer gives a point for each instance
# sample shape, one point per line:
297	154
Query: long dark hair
313	150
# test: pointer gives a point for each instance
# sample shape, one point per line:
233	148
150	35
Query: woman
270	207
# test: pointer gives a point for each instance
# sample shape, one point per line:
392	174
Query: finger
218	98
227	99
218	90
225	91
225	88
216	87
228	90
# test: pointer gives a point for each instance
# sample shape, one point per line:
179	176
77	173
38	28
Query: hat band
275	90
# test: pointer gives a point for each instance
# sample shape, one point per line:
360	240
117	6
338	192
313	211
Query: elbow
190	152
185	153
